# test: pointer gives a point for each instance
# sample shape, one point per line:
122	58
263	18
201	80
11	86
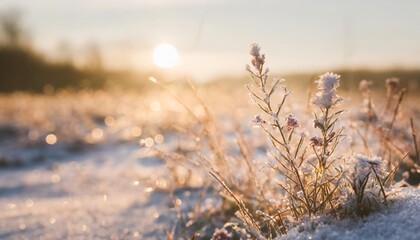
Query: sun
165	56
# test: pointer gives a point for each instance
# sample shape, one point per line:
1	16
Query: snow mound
399	220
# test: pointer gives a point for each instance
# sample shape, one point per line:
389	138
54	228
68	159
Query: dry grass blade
244	211
394	116
168	234
388	179
414	135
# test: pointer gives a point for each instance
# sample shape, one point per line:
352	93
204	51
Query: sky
213	36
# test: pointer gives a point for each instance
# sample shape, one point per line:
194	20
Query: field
179	161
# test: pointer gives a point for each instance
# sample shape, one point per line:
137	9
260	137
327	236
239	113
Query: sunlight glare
51	139
165	56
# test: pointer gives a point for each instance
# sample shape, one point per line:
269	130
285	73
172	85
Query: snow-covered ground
105	194
97	178
100	194
399	220
98	182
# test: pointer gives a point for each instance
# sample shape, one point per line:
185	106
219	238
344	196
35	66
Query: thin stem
380	183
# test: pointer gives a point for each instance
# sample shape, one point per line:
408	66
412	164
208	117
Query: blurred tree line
24	69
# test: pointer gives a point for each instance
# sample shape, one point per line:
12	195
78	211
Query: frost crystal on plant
363	166
327	96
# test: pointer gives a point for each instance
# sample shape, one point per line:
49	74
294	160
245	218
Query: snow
399	220
88	186
101	194
114	188
106	193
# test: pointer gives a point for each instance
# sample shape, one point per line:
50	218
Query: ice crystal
363	166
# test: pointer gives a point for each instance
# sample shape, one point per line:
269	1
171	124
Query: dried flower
316	141
392	85
327	96
254	50
258	121
258	59
291	122
364	86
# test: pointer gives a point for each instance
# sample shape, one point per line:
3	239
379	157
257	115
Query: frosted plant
258	59
392	90
382	122
310	185
270	96
326	99
364	166
368	106
367	177
392	86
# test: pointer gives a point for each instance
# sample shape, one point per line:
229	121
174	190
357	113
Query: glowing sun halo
165	56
